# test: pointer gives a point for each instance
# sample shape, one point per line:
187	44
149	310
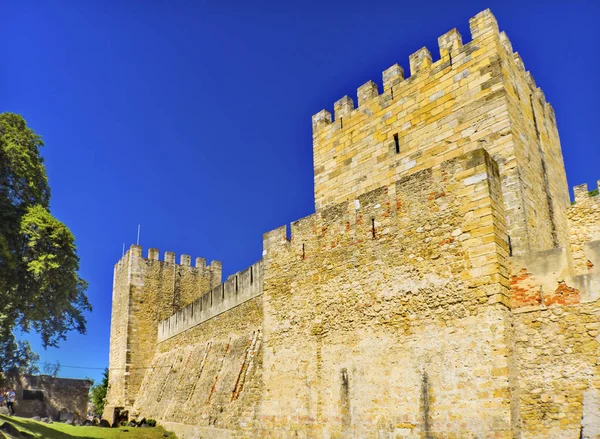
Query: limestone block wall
537	168
386	316
559	375
206	380
463	101
584	228
146	291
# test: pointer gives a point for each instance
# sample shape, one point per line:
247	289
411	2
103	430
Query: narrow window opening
373	227
510	250
303	252
397	143
392	92
341	122
450	55
223	291
236	284
251	276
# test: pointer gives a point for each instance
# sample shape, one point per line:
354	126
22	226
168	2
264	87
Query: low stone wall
46	396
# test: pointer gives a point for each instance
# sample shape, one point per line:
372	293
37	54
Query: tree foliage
40	288
17	356
98	394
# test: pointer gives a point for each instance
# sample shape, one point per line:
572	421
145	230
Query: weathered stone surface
445	287
60	398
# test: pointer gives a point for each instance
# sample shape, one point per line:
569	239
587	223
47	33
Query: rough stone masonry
445	286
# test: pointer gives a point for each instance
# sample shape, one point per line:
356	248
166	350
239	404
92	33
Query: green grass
59	430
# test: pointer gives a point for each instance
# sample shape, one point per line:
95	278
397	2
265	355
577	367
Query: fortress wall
559	375
556	312
443	288
146	291
238	288
386	316
543	196
206	380
463	101
584	227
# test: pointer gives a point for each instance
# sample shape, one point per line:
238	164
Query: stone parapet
238	288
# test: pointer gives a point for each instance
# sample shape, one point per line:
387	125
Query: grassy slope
58	430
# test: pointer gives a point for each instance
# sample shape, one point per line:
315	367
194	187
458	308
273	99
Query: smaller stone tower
146	291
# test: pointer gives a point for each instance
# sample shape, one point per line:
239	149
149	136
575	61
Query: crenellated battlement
584	195
238	288
169	257
453	54
395	86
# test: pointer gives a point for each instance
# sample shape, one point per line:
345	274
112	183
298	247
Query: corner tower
146	291
476	95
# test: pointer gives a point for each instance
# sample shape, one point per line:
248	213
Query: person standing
11	397
3	397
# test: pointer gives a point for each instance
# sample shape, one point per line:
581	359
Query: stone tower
477	95
146	291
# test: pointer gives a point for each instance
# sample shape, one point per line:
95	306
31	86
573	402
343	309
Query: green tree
40	288
17	356
98	394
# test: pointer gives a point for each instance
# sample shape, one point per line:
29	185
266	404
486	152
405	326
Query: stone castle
445	287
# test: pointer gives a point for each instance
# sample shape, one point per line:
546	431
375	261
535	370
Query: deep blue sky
194	118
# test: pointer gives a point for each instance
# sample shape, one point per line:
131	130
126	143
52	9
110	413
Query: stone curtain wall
476	95
399	329
146	291
207	379
239	288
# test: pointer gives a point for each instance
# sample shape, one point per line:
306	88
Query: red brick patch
563	295
523	290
